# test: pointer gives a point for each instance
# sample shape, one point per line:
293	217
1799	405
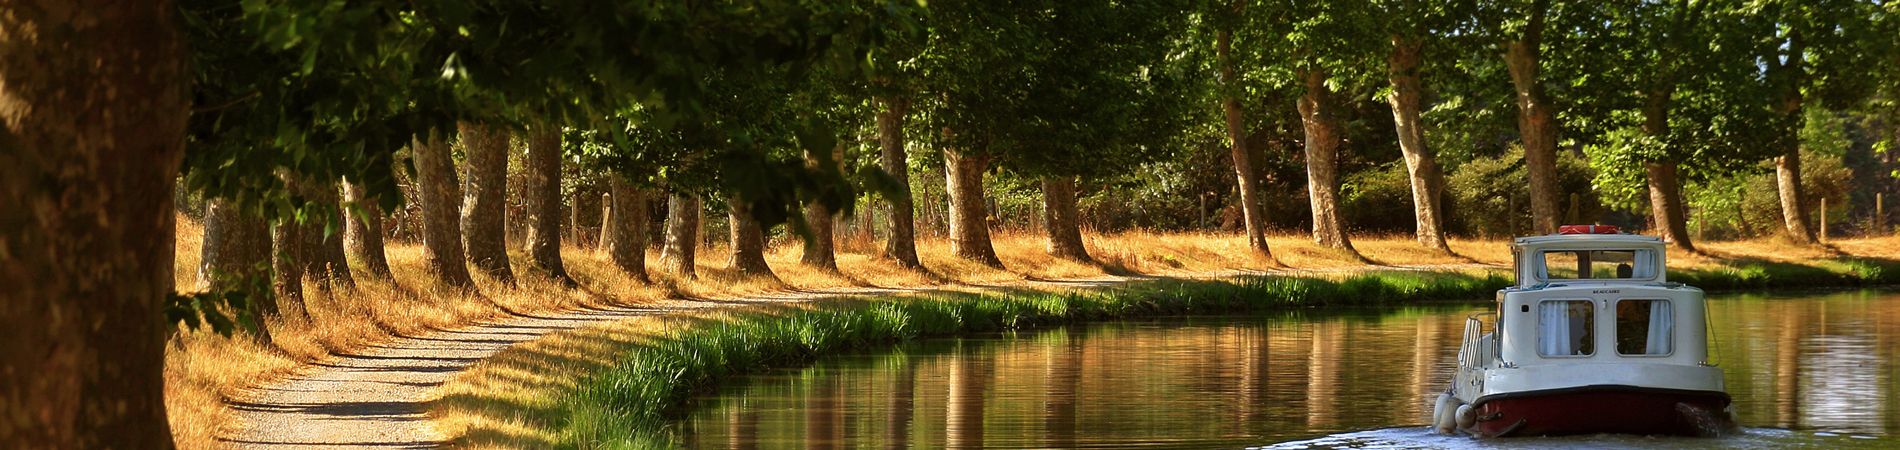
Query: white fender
1467	417
1442	413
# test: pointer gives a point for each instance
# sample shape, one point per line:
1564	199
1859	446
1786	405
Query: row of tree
297	118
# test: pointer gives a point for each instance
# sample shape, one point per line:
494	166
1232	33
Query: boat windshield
1598	265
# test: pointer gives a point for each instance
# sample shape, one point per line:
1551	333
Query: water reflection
1805	363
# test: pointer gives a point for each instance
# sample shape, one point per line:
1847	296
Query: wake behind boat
1592	339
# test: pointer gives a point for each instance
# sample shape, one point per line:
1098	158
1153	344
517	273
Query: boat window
1598	264
1565	328
1644	327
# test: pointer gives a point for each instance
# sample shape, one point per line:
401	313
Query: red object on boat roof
1588	229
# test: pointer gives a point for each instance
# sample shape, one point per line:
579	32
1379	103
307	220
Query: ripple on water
1423	437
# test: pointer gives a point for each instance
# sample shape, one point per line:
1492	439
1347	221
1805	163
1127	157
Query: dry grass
203	370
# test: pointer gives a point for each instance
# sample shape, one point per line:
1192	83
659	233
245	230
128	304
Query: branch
228	104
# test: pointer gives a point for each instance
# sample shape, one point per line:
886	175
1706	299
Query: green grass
1758	274
628	405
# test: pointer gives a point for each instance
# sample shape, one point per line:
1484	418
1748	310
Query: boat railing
1478	346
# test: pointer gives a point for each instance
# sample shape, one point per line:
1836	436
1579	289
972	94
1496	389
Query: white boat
1592	339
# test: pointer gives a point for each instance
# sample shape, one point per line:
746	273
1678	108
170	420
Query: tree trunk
324	259
1794	208
93	105
901	246
1323	133
236	257
365	233
969	219
544	202
748	240
1252	214
821	246
624	235
1059	214
682	233
440	195
1536	121
1665	188
483	203
1420	163
287	266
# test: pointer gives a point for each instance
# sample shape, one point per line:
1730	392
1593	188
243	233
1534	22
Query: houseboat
1593	338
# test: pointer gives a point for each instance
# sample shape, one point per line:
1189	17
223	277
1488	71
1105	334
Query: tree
1411	25
682	233
486	150
626	232
820	248
1328	57
440	195
901	246
1253	216
91	137
322	236
543	194
237	255
1815	52
1521	28
364	232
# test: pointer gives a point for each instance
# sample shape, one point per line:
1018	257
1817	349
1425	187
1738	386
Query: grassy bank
628	404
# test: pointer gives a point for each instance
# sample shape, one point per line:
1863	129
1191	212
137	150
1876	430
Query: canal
1804	369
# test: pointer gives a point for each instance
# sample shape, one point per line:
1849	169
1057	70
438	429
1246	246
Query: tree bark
1062	218
93	105
483	203
1323	133
821	247
1420	163
544	202
682	233
364	232
1252	214
440	196
1794	208
969	218
625	233
901	246
324	258
1666	207
748	240
236	256
1536	121
287	266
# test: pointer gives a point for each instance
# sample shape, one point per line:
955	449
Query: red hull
1602	409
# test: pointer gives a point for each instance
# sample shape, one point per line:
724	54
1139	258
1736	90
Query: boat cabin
1593	320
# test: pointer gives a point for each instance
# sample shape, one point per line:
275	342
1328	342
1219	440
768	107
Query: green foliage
1483	192
226	308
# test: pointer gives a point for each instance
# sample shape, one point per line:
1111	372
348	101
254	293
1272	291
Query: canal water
1815	369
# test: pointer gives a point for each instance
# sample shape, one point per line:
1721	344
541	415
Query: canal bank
620	385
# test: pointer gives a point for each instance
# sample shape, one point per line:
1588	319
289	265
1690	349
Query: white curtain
1661	325
1553	323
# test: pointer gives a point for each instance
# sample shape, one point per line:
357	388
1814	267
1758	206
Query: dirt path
378	398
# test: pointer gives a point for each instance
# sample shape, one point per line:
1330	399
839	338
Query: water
1807	370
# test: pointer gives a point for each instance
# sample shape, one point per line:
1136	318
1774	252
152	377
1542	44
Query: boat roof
1588	241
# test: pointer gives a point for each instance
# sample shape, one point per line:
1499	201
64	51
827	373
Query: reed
628	404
